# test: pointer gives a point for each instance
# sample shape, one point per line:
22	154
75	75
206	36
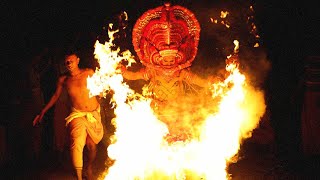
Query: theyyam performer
166	41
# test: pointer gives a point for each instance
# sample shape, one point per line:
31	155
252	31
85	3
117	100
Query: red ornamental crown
170	32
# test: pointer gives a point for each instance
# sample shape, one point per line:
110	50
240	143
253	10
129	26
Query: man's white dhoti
87	123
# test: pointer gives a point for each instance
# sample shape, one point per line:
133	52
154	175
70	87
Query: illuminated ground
258	163
50	168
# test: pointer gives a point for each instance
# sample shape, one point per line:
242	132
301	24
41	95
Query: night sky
289	33
28	25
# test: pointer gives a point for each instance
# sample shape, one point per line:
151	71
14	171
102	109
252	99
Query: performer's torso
166	87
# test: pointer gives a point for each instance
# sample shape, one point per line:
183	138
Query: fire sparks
253	27
223	14
250	20
139	149
236	48
223	21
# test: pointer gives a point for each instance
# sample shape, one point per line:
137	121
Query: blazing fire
139	148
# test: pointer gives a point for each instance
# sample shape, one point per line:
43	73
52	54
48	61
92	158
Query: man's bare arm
51	102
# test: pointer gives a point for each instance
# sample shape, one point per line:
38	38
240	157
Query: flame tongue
108	77
236	48
139	149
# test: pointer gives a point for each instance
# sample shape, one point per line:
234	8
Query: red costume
166	40
166	32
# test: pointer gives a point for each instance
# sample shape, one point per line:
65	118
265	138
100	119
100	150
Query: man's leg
92	152
77	139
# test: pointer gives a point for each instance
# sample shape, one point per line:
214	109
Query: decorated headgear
166	32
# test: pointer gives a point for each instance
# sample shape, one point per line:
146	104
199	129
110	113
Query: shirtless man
84	122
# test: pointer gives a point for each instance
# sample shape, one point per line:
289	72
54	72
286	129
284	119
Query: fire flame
138	148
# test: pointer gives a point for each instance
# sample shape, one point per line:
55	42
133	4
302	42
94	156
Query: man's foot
79	173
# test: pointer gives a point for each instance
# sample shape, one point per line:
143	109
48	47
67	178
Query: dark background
289	34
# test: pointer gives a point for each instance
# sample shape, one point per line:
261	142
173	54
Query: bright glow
139	148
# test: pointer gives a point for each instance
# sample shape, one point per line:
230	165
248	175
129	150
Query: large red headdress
170	32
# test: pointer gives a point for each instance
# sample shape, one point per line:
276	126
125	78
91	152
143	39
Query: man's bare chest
74	85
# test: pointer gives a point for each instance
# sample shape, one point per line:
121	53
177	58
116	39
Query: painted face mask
166	37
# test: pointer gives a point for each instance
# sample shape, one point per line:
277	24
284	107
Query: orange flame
139	149
108	75
236	48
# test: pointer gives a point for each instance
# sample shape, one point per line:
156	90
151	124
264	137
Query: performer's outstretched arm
131	75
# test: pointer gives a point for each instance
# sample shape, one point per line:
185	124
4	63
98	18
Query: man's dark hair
71	52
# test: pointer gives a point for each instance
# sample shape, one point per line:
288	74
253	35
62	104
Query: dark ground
257	162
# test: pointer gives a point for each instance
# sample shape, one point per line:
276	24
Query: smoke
256	66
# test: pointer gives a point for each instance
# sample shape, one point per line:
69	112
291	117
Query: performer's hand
38	119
